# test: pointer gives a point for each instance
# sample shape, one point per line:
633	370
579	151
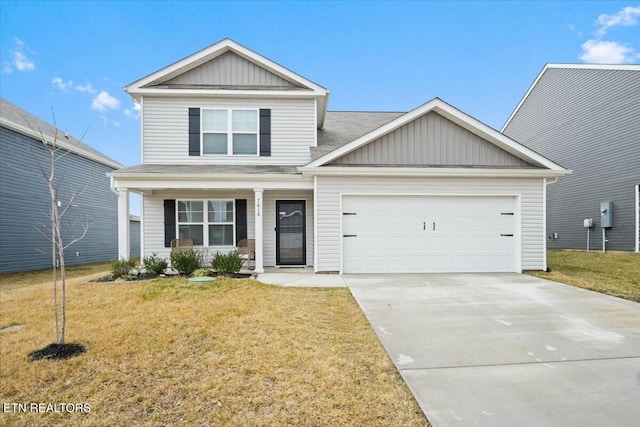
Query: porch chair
181	245
247	250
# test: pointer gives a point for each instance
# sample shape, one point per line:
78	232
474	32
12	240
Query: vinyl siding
229	69
25	201
329	190
588	121
154	218
165	130
431	140
134	239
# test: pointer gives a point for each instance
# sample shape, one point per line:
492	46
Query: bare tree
59	229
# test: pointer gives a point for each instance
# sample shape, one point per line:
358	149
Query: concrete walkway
300	277
508	349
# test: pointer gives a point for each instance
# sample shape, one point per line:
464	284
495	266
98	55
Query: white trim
621	67
258	204
123	224
205	221
458	117
208	183
142	221
429	172
213	52
141	130
637	217
517	216
544	224
229	132
306	235
315	224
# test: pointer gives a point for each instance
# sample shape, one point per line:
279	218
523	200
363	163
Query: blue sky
75	57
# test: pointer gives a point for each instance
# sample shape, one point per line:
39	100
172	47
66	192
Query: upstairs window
230	132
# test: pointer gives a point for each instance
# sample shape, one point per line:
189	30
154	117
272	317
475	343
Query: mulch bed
58	352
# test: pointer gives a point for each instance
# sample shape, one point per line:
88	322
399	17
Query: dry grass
165	352
612	273
21	280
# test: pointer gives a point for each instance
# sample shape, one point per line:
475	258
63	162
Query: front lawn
613	273
165	352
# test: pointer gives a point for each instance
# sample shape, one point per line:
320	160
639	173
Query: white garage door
429	234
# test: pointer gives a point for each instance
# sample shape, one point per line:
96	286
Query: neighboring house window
230	132
206	222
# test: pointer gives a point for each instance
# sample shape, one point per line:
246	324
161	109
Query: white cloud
62	85
86	88
133	112
103	102
604	52
19	59
625	17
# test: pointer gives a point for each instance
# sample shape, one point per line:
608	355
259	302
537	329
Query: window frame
205	221
230	132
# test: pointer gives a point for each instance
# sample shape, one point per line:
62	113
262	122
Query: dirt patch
58	352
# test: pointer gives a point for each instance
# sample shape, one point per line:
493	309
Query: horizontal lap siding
153	211
154	218
166	131
25	203
589	122
329	215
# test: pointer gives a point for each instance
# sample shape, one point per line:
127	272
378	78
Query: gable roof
572	68
454	115
15	118
290	83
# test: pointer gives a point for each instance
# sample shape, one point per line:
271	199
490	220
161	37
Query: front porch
217	214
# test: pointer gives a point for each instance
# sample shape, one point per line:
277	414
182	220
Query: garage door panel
429	234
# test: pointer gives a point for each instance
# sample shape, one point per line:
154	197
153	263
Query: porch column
258	231
123	224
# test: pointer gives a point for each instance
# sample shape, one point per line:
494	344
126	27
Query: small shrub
229	263
120	268
201	272
154	264
186	262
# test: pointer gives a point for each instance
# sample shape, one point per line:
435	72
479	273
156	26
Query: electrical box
606	214
588	223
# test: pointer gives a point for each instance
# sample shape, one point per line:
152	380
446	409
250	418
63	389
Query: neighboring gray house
236	146
24	198
587	118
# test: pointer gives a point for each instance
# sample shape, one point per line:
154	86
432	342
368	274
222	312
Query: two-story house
236	146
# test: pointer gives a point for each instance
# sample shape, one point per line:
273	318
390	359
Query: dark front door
291	232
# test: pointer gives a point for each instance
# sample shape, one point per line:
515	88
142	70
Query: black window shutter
241	220
194	131
265	132
169	222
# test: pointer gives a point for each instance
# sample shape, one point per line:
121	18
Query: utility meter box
606	214
588	223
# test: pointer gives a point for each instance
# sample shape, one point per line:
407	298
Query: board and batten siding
588	121
431	140
25	201
166	130
329	216
153	211
229	69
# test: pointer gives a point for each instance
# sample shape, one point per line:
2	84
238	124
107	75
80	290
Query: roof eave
432	172
69	146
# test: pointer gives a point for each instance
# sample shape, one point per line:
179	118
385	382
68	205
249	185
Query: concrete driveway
507	349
